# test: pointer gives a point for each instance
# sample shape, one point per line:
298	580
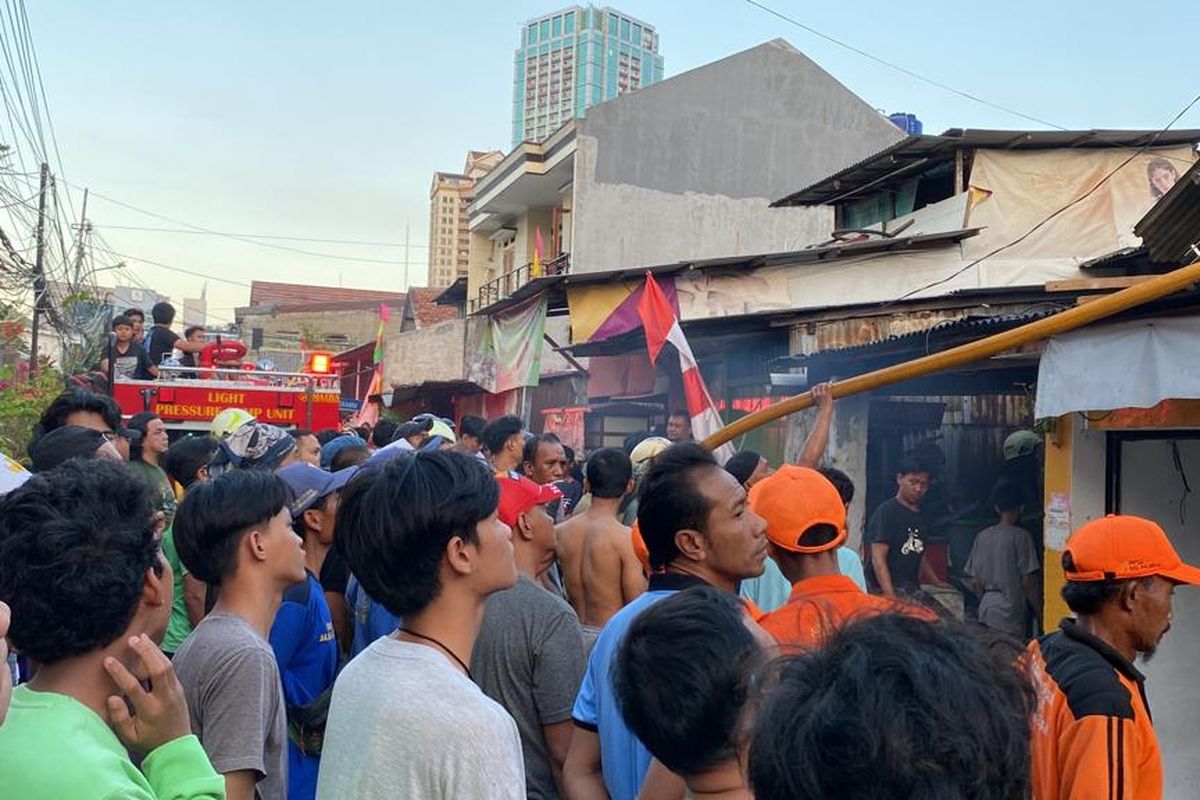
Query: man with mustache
1092	733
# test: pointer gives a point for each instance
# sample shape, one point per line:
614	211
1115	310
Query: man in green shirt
90	592
145	458
186	463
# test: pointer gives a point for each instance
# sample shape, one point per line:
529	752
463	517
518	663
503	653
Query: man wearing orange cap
1092	733
806	524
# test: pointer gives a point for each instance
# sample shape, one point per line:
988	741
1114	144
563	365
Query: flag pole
1105	306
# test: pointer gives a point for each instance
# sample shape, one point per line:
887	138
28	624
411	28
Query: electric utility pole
39	275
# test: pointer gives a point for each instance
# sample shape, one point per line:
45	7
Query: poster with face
1161	173
1104	193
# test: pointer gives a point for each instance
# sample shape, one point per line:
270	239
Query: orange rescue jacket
1093	738
819	606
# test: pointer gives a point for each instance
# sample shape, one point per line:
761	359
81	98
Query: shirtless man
600	569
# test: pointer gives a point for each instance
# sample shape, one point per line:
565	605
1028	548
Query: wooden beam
563	352
1097	284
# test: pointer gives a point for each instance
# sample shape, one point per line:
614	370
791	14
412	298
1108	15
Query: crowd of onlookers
431	609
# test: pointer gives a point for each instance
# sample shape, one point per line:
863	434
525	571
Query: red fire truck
309	399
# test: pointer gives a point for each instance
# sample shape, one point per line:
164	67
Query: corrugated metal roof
858	330
918	152
1171	229
1116	258
931	340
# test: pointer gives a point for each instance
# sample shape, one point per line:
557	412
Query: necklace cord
450	652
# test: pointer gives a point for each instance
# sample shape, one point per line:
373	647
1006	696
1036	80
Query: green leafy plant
22	401
22	398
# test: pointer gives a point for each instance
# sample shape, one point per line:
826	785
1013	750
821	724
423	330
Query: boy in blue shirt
371	620
302	635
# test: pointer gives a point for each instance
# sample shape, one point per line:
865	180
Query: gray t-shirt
1000	559
529	658
404	723
235	698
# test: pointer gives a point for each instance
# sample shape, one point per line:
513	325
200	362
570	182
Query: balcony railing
496	290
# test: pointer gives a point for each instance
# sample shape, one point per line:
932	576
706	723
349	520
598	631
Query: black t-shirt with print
904	531
130	364
162	342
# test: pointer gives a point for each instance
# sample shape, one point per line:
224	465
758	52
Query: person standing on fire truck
161	340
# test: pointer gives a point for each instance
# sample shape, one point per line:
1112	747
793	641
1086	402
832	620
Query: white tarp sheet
1135	364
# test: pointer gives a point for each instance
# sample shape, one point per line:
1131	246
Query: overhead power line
894	66
1057	212
244	239
171	267
41	91
258	236
916	75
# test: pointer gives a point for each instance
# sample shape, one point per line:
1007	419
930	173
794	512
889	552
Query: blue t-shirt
850	565
624	760
307	654
371	620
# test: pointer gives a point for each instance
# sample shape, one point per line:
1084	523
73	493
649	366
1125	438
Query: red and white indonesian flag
662	326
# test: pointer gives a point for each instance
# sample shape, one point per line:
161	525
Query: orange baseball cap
1122	546
793	500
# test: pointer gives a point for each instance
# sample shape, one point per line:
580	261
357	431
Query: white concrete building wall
687	168
625	225
1152	487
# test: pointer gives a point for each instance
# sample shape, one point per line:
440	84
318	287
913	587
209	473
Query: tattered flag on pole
385	314
662	326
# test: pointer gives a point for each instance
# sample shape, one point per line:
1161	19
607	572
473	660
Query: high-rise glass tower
574	58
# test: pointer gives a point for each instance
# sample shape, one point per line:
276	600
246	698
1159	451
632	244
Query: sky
327	120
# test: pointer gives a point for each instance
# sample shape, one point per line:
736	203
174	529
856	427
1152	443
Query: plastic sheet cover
1134	364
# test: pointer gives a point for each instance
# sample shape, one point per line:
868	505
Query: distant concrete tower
449	196
574	58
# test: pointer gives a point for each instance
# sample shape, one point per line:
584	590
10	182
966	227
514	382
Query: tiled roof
425	309
295	294
343	305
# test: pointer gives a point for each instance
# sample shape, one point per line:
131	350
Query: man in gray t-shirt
231	681
529	658
529	655
235	532
1002	566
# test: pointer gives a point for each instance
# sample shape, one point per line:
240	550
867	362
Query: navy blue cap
309	484
336	445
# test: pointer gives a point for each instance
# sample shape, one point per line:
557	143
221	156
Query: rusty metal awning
845	361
